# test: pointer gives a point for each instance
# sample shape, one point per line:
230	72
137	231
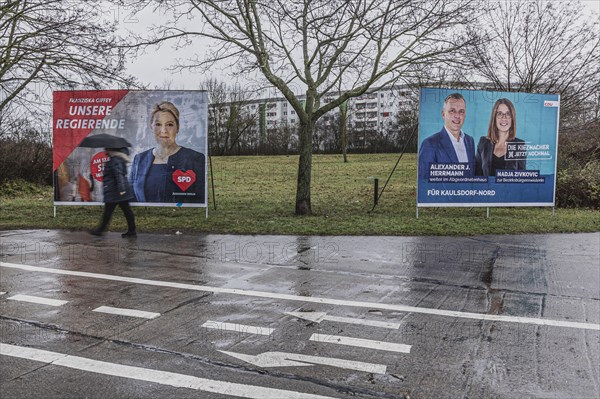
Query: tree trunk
303	205
344	110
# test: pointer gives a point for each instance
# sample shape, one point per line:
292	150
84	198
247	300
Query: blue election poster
487	148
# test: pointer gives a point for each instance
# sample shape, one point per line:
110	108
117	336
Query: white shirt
459	146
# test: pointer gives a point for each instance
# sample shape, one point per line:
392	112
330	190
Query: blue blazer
439	149
185	159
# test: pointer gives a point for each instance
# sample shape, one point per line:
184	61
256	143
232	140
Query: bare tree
241	121
540	46
217	97
54	44
231	122
404	126
318	44
279	138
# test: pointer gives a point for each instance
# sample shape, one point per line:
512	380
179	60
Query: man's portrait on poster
450	145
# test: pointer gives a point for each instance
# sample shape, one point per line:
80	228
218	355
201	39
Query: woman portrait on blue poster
492	149
168	173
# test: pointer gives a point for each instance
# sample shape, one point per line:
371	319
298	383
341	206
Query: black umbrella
105	141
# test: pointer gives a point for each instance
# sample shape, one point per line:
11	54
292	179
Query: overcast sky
151	69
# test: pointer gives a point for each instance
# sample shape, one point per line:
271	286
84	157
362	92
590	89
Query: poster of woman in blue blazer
166	129
168	172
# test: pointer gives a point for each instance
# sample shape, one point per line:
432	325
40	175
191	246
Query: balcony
361	116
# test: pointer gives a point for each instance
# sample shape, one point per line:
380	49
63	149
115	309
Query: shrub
579	186
578	178
26	160
22	188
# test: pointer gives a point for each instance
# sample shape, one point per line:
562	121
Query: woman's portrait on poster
168	173
492	150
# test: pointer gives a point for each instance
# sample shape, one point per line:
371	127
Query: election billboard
487	148
167	133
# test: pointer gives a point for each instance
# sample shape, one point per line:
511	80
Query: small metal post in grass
375	191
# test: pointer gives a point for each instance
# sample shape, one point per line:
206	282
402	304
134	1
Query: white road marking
360	342
318	317
127	312
241	328
38	300
150	375
283	359
2	293
328	301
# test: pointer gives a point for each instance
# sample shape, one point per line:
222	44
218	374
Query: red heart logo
184	179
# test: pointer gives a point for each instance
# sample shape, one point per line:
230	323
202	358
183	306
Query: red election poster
167	131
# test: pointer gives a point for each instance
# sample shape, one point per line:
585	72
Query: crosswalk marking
360	342
318	317
37	299
241	328
127	312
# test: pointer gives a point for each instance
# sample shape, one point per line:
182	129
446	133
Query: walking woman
117	191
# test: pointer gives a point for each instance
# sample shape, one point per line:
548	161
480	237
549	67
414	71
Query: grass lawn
256	195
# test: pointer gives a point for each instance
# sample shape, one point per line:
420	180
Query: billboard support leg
206	212
417	212
395	166
212	182
54	211
488	212
553	211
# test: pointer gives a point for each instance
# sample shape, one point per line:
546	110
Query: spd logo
184	179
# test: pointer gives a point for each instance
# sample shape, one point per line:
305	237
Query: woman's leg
109	208
128	216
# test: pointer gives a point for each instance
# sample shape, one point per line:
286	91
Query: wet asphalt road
305	317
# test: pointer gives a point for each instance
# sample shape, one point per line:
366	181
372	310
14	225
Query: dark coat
115	180
439	149
485	152
185	159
